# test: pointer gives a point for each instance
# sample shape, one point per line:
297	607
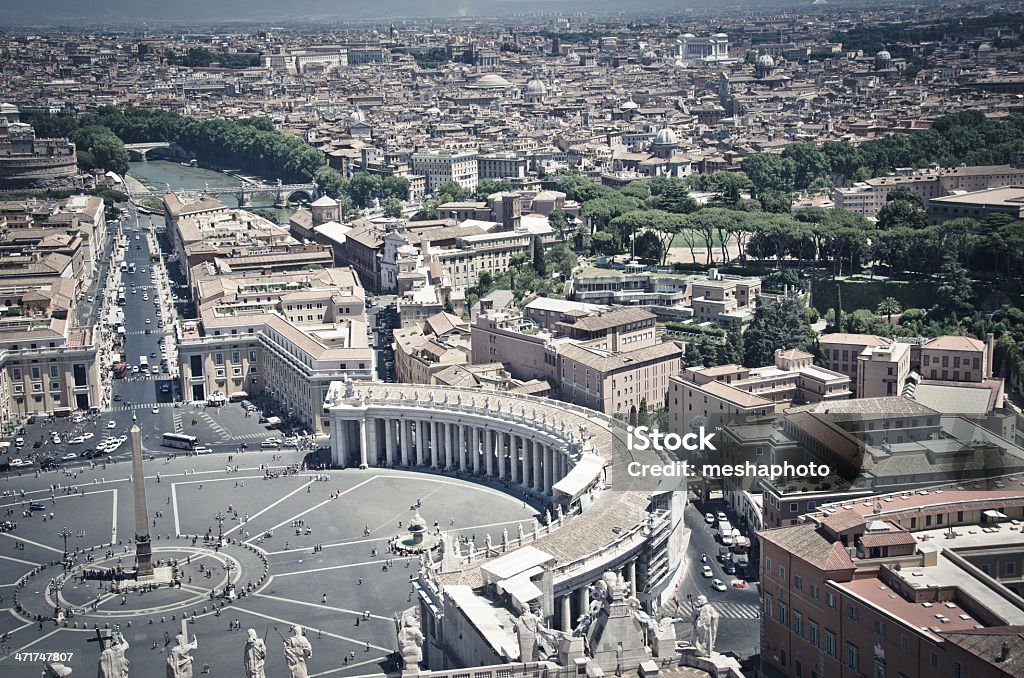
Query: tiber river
160	174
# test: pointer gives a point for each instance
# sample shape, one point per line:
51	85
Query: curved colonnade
560	453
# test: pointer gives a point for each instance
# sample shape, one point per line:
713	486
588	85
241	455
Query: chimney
990	347
1004	652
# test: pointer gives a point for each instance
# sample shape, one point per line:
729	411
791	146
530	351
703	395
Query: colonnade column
389	440
527	449
549	461
362	442
341	435
538	467
435	444
475	433
449	444
513	456
631	577
567	612
489	451
584	599
460	431
406	436
421	442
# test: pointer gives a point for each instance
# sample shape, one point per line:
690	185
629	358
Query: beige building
867	197
714	395
882	370
954	358
422	351
285	336
608	360
441	166
725	299
842	350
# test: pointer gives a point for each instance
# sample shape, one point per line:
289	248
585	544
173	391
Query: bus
120	295
143	363
180	441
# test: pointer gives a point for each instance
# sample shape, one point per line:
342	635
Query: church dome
666	137
491	81
766	61
536	86
356	116
883	56
8	108
629	105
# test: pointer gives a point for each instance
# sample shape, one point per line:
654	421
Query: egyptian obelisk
143	547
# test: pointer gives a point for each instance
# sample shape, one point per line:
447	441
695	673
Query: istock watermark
643	438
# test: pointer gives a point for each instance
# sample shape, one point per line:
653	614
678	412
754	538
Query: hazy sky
29	12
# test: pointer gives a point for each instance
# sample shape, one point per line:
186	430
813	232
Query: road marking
288	623
313	508
19	560
34	543
330	567
41	639
113	529
264	510
321	606
174	507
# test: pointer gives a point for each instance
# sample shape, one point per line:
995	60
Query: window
798	623
904	643
959	671
798	582
830	643
853	613
35	372
236	357
1011	569
830	599
782	614
54	372
879	627
812	633
16	373
218	358
933	661
814	591
853	656
782	572
768	564
768	606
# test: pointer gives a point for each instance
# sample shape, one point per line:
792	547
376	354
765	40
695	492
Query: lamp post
65	533
219	517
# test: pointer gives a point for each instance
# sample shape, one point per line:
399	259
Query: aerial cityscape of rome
512	339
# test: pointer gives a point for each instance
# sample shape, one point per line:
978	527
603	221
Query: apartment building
724	299
977	205
501	166
609	360
868	197
733	393
841	351
439	166
955	358
882	370
905	584
422	351
281	335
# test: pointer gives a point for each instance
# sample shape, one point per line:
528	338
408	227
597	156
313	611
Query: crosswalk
143	406
725	609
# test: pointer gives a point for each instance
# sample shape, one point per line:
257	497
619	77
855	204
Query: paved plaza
338	508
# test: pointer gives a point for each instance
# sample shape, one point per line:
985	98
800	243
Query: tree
558	220
392	207
887	307
643	415
905	194
809	164
485	187
726	185
776	324
675	198
363	187
103	149
647	248
768	172
955	292
451	191
901	214
778	202
539	266
330	181
561	259
731	352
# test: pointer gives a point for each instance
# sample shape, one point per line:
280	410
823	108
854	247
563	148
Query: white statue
296	651
519	528
504	535
179	662
547	517
705	627
410	641
255	656
113	663
350	388
487	543
472	547
458	548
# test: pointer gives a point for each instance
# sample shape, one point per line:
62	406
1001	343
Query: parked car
69	456
720	516
709	518
270	443
706	571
